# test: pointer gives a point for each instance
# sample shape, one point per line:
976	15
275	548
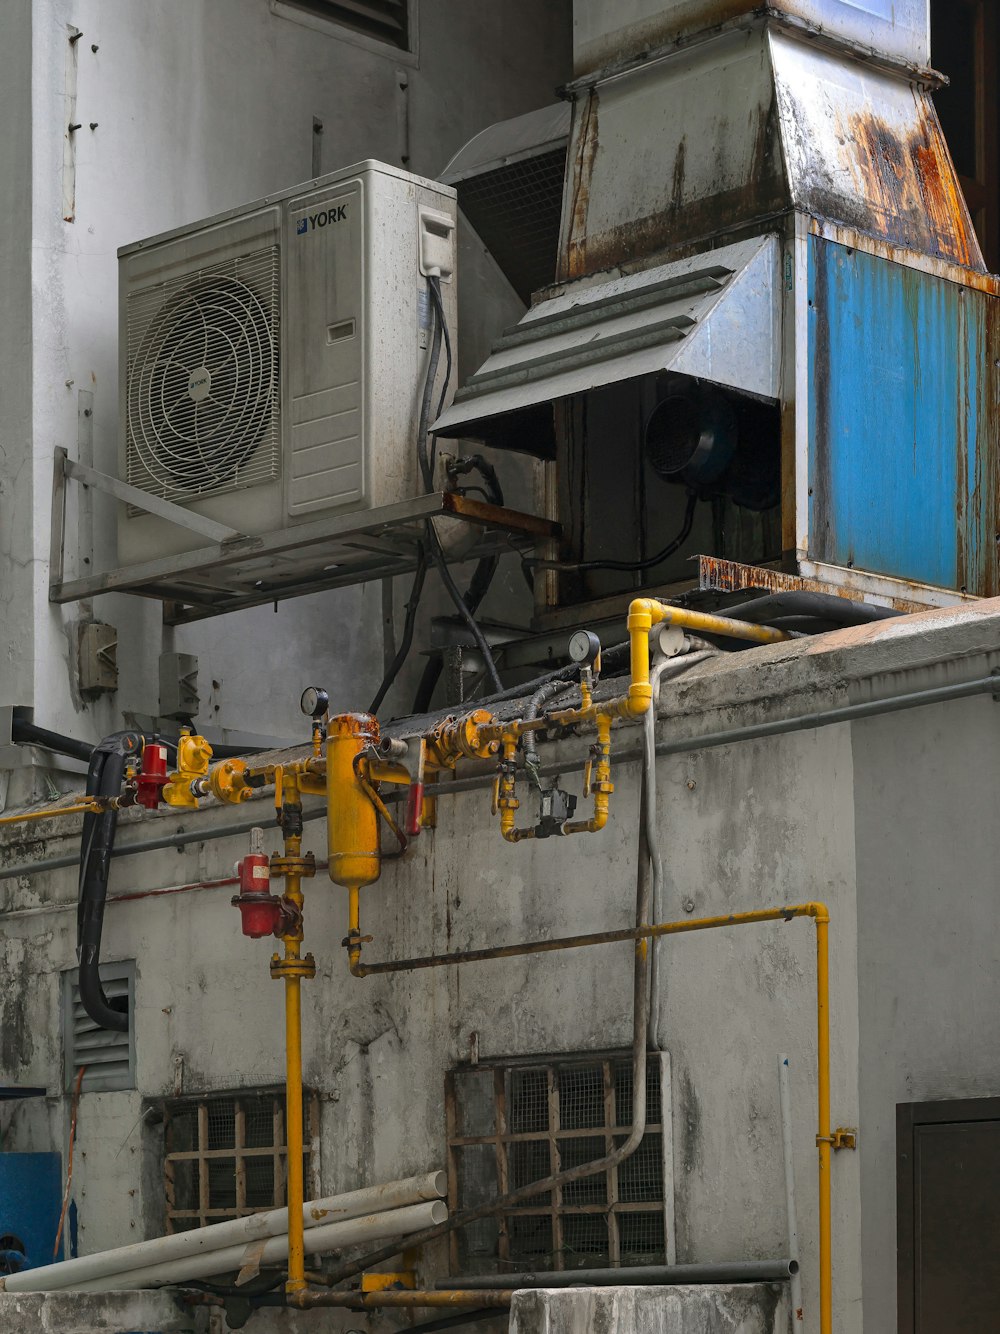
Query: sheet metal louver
202	412
109	1057
385	20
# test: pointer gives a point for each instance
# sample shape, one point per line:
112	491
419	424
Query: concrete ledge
98	1313
751	1308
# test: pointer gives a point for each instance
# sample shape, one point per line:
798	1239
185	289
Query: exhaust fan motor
716	445
691	436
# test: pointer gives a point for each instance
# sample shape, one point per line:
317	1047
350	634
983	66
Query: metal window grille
108	1056
514	1122
385	20
226	1155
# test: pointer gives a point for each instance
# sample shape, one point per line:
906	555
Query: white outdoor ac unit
273	357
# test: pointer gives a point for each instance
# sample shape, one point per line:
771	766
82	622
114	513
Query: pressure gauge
314	702
584	647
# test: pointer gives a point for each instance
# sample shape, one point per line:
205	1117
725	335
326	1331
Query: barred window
226	1155
385	20
517	1121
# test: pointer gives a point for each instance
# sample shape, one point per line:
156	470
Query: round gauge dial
314	702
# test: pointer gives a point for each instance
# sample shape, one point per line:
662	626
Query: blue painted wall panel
30	1200
894	366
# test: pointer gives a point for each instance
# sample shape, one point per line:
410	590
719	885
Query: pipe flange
285	968
304	866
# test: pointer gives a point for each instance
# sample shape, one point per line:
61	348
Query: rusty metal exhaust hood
760	196
716	316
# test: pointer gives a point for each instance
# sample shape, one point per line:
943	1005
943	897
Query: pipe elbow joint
638	700
643	614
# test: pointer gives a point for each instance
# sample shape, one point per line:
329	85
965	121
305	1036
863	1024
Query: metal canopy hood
715	316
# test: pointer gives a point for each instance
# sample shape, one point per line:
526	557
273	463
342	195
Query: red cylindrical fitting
259	908
255	873
414	809
152	776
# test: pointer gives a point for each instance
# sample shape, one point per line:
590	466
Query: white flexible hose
658	670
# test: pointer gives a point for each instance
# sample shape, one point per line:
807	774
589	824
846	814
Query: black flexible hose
28	734
104	779
805	605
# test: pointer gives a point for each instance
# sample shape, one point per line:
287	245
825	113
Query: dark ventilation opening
965	46
516	208
636	455
385	20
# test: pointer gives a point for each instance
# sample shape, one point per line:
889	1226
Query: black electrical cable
405	644
434	283
424	421
427	476
479	639
480	582
105	776
629	566
433	544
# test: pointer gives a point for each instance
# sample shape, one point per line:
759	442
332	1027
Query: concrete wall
928	949
200	105
816	814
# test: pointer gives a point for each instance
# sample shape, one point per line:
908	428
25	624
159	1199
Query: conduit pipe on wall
736	1271
324	1237
237	1231
820	916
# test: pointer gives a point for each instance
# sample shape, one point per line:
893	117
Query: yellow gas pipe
292	968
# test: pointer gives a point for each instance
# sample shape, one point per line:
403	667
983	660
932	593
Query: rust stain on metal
681	219
730	576
572	264
908	185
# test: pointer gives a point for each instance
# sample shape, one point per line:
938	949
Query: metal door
948	1216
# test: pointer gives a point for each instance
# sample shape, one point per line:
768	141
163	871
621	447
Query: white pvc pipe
328	1237
793	1225
238	1231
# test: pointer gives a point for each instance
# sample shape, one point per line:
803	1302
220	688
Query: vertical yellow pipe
293	1111
824	1137
293	1060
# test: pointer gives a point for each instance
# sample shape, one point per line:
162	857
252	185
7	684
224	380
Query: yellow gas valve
194	754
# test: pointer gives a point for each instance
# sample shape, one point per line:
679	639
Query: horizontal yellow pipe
644	613
78	808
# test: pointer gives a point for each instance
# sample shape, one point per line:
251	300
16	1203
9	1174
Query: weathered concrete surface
101	1313
877	818
751	1308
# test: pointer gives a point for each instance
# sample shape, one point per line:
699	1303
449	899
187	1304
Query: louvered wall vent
385	20
109	1057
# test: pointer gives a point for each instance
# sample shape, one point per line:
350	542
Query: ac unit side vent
203	414
107	1055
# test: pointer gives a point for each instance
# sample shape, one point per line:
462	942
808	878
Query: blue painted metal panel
30	1200
894	357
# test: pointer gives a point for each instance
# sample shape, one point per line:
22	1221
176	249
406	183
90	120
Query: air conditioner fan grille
202	414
